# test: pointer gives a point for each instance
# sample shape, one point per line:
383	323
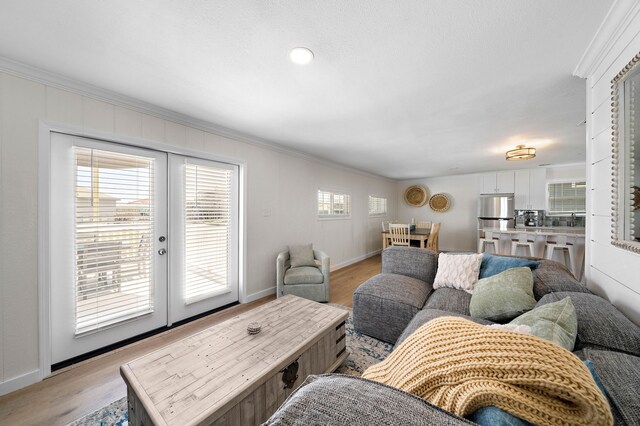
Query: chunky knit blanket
461	366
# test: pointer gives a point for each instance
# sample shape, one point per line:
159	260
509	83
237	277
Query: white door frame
46	127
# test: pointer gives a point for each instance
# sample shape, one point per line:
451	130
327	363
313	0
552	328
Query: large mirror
625	114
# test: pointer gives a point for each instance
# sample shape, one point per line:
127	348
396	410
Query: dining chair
423	224
400	235
432	242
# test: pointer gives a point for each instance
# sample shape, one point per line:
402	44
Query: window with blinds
377	206
113	233
567	197
207	231
332	204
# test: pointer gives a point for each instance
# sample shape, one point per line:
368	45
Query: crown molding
619	17
59	81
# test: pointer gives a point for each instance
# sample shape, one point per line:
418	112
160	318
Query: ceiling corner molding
616	21
38	75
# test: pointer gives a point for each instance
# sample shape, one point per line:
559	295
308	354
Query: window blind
207	231
377	206
331	204
113	233
567	197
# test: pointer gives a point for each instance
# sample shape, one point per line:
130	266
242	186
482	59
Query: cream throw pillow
458	271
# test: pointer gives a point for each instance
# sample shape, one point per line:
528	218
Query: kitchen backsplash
564	221
541	219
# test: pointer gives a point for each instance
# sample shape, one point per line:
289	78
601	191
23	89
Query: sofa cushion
410	261
458	271
426	315
301	255
336	400
554	321
493	265
620	377
552	276
600	323
384	305
450	300
504	296
303	275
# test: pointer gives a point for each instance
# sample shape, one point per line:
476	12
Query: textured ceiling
401	89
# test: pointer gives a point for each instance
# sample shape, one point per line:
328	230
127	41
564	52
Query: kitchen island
541	236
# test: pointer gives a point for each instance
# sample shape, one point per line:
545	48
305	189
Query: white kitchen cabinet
496	183
530	189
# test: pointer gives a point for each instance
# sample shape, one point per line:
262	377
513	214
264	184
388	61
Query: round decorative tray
416	195
439	203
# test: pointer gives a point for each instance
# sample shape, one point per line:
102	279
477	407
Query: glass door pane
204	229
114	216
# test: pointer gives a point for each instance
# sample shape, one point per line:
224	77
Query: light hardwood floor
85	387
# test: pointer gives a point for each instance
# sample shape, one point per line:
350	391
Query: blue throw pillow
493	416
595	376
493	265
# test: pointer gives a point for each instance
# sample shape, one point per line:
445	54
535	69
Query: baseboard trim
20	382
354	260
259	295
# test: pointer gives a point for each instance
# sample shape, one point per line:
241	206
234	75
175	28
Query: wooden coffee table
223	375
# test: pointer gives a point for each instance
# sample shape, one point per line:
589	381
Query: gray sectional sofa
394	303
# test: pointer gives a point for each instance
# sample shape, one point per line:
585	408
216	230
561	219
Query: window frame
331	215
386	206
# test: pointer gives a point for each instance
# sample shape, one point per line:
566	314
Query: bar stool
522	240
566	248
488	239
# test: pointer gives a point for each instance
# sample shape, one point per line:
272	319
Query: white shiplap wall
611	272
281	184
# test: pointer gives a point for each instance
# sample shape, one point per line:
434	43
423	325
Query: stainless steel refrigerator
496	211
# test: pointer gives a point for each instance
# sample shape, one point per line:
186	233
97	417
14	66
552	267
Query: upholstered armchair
310	282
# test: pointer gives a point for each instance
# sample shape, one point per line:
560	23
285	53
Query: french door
118	269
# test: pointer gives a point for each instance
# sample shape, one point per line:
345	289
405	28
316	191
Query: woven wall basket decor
416	195
439	203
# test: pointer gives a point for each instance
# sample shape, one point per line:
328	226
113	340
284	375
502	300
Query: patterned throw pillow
458	271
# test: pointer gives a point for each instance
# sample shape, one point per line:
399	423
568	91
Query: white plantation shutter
377	206
113	234
567	197
207	230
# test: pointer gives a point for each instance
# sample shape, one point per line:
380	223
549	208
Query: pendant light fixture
521	153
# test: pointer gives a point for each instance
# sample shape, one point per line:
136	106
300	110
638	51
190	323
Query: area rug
364	351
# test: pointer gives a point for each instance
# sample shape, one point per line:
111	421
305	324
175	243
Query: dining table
419	234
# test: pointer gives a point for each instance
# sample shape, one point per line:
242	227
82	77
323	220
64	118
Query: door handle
162	251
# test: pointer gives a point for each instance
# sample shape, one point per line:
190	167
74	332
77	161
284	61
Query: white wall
570	172
610	271
459	223
284	183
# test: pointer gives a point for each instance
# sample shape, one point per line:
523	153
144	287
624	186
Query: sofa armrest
334	399
282	264
411	262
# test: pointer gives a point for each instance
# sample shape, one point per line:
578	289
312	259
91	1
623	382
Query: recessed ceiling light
301	55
